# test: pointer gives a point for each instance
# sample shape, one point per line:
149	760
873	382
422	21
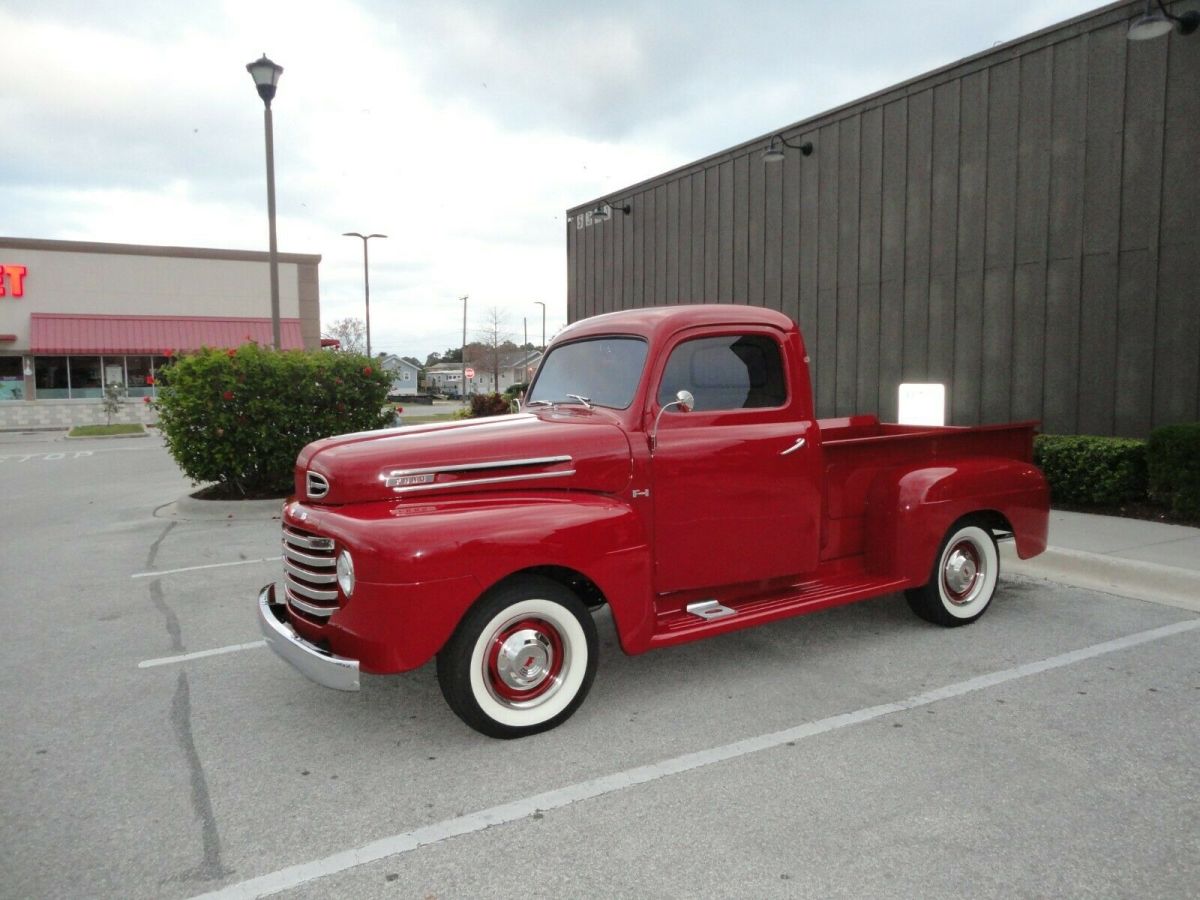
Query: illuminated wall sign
14	277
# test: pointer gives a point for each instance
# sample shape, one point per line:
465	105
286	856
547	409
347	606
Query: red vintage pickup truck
666	464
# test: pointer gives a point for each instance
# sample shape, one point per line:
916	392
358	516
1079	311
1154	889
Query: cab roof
660	321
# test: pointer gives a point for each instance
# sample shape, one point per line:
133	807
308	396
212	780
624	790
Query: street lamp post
463	355
543	306
366	280
266	76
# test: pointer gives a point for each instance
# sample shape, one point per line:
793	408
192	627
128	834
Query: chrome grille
309	573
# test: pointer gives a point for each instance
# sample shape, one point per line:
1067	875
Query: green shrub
489	405
515	389
1173	460
240	417
1092	471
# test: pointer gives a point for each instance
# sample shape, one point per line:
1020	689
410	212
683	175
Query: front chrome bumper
324	668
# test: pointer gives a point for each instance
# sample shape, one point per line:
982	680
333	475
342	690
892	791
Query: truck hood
563	449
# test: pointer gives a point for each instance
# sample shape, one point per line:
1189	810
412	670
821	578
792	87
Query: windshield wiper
586	401
539	403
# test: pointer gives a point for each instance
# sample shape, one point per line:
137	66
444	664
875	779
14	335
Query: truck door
736	481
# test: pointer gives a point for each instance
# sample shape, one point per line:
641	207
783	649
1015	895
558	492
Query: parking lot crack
172	620
158	543
210	867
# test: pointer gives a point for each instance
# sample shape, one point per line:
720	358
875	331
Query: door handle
800	442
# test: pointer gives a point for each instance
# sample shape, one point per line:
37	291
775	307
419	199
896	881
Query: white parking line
199	654
240	562
506	813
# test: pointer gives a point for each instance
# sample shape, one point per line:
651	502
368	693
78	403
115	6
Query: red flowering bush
240	417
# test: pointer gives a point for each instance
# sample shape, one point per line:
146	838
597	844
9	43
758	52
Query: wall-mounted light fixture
1157	22
774	152
603	211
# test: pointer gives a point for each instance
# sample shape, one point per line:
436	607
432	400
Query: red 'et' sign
15	276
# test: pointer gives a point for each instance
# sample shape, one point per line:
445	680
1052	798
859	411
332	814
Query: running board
709	610
702	618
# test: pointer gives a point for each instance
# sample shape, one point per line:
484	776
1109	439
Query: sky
462	129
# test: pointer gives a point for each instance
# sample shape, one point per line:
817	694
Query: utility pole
464	347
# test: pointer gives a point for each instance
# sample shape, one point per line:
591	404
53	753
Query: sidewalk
1131	557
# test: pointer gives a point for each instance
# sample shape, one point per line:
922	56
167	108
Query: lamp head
266	76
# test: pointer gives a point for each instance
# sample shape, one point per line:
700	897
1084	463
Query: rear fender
910	511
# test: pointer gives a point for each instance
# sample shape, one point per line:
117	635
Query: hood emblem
317	485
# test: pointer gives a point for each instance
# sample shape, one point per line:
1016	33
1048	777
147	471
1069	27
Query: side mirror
686	403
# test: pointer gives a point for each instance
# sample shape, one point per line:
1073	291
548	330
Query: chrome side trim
322	562
311	593
306	541
337	672
396	479
474	481
314	577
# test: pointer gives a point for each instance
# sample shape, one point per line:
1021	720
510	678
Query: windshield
599	372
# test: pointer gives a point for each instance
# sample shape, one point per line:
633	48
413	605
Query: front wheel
522	659
963	579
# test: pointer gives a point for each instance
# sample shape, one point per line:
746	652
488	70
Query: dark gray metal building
1020	225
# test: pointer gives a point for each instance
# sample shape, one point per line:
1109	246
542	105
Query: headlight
345	573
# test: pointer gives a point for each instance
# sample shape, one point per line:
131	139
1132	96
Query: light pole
463	355
366	280
543	306
266	75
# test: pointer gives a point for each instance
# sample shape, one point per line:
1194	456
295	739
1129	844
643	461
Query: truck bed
857	448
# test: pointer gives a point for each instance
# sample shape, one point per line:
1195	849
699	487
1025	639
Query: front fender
909	511
472	544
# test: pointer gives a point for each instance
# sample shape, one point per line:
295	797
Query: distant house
445	378
404	373
516	367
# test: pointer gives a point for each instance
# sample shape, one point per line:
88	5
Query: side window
728	372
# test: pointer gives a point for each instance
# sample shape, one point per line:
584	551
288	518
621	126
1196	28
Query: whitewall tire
963	580
522	659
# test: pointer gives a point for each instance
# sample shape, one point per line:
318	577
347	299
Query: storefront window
141	376
50	374
86	378
79	377
12	382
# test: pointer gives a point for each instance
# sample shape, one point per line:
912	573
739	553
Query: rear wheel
522	659
963	579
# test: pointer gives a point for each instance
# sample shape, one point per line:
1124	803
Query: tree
494	340
113	399
350	332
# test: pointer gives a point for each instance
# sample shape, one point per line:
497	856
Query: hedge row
1107	471
240	417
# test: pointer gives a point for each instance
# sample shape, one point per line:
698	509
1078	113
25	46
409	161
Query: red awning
59	333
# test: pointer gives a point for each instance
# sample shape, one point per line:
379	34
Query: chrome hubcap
525	659
961	572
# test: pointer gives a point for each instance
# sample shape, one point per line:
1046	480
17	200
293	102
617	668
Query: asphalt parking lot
1048	750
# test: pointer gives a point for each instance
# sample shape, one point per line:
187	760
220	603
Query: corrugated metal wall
1021	226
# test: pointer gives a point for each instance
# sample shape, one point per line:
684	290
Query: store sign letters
12	277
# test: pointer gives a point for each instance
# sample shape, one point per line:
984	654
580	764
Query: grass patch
104	430
425	420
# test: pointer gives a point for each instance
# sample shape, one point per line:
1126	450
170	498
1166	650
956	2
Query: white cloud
462	130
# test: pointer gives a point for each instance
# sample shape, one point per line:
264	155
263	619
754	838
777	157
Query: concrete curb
188	508
1152	582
